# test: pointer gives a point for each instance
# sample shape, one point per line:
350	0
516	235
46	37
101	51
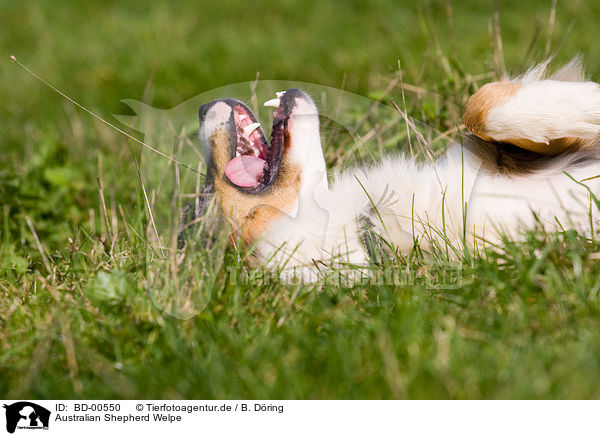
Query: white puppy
530	159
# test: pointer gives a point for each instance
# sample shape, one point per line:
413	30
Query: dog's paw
538	116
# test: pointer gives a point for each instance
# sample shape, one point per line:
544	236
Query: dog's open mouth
255	162
249	166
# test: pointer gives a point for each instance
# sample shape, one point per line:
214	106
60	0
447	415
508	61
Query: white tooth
279	94
273	102
251	128
243	117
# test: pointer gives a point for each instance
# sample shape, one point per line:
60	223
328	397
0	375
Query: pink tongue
246	170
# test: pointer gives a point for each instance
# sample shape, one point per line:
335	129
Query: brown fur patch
555	146
252	212
479	105
495	94
257	221
508	159
220	149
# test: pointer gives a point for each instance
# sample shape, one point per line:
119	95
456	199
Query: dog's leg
544	116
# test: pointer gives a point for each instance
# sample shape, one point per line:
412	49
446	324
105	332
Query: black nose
203	109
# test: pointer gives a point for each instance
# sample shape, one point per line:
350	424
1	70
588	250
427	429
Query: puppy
529	158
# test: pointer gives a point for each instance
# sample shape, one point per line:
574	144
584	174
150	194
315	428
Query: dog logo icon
26	415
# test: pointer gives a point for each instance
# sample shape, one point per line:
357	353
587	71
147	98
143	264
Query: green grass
77	321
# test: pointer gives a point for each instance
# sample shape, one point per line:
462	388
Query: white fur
545	110
306	151
426	203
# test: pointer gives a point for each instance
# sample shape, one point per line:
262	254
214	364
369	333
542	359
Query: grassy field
76	320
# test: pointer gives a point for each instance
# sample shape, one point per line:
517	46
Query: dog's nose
203	109
218	111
